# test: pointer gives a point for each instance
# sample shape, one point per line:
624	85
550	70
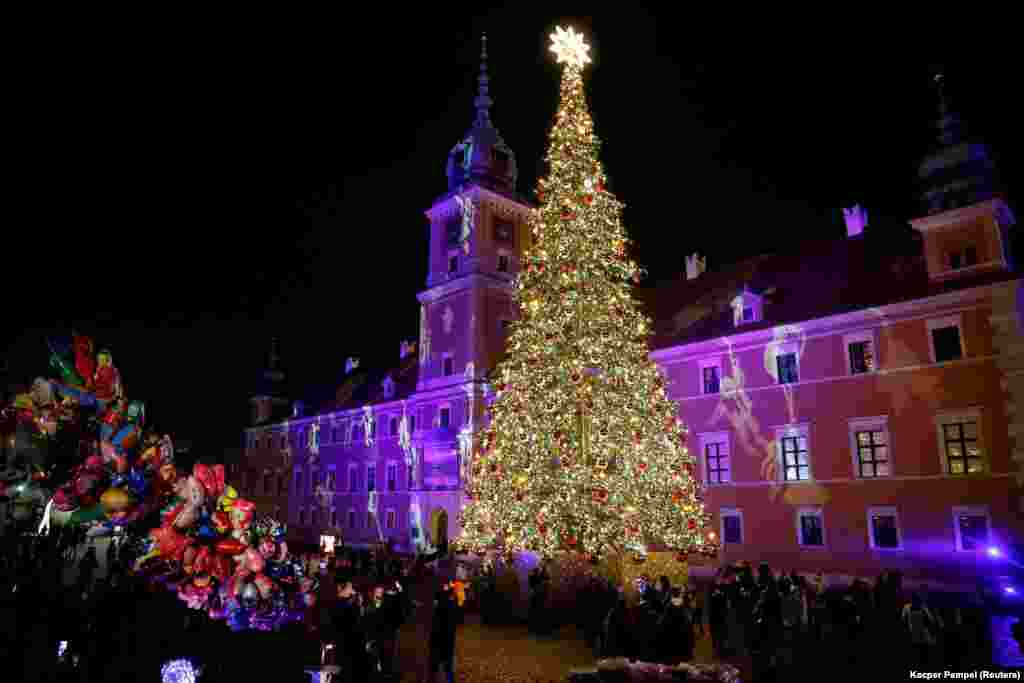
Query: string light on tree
583	451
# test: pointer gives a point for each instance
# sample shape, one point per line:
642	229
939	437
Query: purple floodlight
1010	590
993	551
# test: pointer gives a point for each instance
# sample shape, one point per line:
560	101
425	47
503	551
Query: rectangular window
716	461
947	344
448	366
732	526
444	417
393	426
884	528
390	519
351	519
502	232
963	454
353	479
371	478
795	465
453	265
330	480
862	359
872	453
945	339
412	423
392	477
711	380
502	263
810	528
972	527
373	428
786	363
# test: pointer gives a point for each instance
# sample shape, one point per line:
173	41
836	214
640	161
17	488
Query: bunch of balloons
192	532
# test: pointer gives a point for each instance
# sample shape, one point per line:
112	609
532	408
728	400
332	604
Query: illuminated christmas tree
583	451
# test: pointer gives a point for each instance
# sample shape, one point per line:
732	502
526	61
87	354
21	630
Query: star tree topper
569	47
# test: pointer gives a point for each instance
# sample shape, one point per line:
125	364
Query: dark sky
193	190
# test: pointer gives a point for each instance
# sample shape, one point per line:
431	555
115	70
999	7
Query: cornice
472	280
989	207
447	204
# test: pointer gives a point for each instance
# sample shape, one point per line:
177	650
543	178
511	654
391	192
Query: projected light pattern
179	671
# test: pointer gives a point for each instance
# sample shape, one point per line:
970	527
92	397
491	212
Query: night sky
191	192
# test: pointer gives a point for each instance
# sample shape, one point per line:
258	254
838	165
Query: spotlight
994	552
1010	590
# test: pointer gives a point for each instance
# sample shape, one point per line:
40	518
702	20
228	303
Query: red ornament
642	466
571	541
682	556
600	496
692	524
542	528
588	199
600	187
568	215
636	278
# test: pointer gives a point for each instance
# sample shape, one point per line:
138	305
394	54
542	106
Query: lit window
796	465
810	527
787	367
884	528
871	447
972	527
371	478
963	454
732	526
860	351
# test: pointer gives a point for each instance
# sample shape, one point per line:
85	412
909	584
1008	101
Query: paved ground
485	654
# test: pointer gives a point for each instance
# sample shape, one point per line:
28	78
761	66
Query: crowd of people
780	624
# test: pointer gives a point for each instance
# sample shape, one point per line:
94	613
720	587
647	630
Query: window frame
816	511
715	362
706	439
731	512
782	352
879	423
973	414
973	511
791	431
888	511
852	338
933	324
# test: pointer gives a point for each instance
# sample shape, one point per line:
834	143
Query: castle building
853	405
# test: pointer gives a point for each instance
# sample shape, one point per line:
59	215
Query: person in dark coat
675	641
442	633
718	611
86	567
616	640
348	627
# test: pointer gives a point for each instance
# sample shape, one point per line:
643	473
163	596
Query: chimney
856	218
350	365
695	265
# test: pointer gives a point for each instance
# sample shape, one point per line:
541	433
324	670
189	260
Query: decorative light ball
691	524
571	541
179	671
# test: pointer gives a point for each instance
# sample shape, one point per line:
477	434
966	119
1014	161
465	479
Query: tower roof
957	172
481	156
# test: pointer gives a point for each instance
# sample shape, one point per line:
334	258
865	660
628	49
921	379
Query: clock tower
478	232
